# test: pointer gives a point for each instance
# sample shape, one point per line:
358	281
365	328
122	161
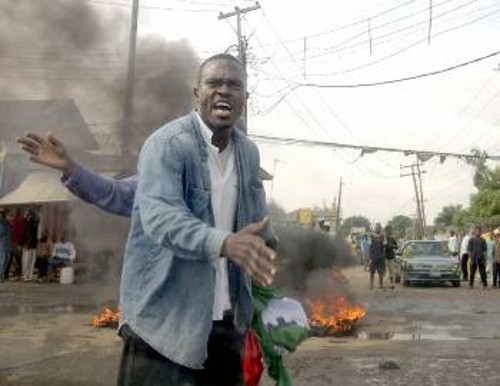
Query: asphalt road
409	336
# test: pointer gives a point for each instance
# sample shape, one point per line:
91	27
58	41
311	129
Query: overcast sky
352	42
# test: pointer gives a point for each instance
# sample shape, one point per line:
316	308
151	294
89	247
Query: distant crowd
26	253
478	250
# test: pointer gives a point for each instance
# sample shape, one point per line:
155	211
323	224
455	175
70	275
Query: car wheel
456	283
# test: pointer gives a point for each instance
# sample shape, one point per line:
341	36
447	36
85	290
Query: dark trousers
141	365
479	263
464	262
14	260
496	273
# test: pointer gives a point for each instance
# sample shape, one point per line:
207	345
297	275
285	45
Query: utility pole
419	174
337	219
129	87
242	45
418	197
272	180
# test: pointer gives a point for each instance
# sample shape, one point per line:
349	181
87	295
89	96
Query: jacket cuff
214	243
70	180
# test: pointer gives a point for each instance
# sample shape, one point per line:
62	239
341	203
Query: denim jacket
114	196
167	287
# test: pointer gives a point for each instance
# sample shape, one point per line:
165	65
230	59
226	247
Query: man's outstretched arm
114	196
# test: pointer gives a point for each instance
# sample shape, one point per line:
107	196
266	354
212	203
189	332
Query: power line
422	154
398	80
408	47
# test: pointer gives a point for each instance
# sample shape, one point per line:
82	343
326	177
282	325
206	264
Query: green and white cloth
280	324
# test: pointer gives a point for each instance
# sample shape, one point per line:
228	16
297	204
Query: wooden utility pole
242	45
422	206
415	171
129	87
337	219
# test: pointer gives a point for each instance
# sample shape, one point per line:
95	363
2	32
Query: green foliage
355	221
453	216
485	204
400	224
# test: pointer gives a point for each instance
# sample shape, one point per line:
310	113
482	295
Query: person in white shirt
63	254
453	243
464	256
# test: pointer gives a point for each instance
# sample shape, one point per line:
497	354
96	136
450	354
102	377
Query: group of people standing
478	251
380	251
24	251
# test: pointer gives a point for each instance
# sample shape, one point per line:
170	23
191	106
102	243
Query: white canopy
38	188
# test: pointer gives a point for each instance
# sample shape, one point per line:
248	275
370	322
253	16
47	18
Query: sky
349	42
352	42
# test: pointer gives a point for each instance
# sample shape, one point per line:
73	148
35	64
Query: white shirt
224	192
453	244
464	247
64	250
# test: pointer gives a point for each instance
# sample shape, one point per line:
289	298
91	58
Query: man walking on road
477	253
377	257
464	257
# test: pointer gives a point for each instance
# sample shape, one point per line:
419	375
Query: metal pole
129	87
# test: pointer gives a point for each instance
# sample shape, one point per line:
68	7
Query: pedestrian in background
29	243
391	246
464	256
490	249
453	244
16	225
477	252
377	257
496	258
4	242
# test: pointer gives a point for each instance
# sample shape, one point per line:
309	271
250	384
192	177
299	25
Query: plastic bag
251	360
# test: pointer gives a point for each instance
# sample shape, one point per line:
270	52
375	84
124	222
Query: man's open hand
247	249
48	151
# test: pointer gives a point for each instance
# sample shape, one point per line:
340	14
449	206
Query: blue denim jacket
168	278
114	196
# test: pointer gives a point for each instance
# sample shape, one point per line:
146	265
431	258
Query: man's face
220	94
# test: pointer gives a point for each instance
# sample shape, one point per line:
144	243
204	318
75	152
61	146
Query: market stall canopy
38	188
60	117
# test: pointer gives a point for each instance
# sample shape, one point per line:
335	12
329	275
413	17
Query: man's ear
195	92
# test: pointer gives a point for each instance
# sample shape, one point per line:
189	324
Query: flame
107	318
336	315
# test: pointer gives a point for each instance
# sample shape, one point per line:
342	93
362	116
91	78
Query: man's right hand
247	249
48	151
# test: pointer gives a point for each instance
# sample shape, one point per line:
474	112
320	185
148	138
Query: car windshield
438	248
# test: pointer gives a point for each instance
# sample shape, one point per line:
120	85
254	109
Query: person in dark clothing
29	242
391	245
377	257
477	253
16	225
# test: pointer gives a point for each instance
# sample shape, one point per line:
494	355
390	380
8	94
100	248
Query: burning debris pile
332	309
109	317
333	316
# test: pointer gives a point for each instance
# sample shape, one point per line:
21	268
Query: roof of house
60	117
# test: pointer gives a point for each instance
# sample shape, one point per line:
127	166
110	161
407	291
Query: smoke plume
78	49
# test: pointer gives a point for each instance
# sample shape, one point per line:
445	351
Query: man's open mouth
222	107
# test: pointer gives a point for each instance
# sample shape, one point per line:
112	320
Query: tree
486	202
355	221
400	224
